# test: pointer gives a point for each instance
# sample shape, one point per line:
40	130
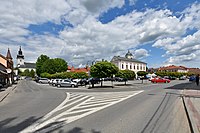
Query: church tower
8	56
129	55
20	58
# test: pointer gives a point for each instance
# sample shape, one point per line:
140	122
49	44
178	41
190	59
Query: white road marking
84	104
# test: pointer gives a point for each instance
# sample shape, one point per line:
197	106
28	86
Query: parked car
76	80
67	83
43	81
172	78
182	78
51	81
93	81
118	79
160	80
83	82
192	78
55	82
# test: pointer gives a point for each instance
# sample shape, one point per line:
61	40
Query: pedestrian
197	79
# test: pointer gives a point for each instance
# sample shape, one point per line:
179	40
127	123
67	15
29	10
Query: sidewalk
4	92
192	103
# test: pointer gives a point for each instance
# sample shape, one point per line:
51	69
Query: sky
160	33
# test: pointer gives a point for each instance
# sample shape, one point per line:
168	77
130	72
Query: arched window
122	66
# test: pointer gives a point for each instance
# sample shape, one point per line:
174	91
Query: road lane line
62	118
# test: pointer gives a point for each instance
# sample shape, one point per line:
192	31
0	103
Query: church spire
9	55
20	54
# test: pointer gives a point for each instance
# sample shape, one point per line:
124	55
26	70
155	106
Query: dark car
192	78
118	79
93	81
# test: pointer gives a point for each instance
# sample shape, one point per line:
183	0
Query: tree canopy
40	61
127	74
27	73
103	69
141	73
46	65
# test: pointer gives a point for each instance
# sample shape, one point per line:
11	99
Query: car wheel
59	85
73	86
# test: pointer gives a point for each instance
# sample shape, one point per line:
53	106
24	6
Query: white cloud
89	39
140	53
99	6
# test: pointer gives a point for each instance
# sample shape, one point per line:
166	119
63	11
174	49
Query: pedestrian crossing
76	106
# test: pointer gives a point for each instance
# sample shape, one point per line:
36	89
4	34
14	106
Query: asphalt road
141	108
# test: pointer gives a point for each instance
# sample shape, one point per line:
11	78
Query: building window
140	67
122	66
134	67
137	67
126	66
130	66
144	69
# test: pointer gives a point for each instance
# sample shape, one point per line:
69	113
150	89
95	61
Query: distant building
6	69
85	69
129	63
194	70
22	65
174	68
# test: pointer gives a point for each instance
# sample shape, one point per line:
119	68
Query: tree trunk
112	84
92	85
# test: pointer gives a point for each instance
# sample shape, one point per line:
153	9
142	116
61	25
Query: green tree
26	72
142	74
40	61
103	69
61	65
126	74
32	73
49	66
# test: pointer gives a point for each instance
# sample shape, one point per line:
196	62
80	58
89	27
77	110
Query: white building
24	65
129	63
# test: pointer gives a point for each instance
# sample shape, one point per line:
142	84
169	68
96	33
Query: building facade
85	69
6	69
129	63
22	65
174	68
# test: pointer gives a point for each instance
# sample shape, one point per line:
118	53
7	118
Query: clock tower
20	58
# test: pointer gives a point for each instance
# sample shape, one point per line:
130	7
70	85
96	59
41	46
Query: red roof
72	69
173	67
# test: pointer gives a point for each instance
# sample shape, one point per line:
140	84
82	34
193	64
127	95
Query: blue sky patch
175	6
48	28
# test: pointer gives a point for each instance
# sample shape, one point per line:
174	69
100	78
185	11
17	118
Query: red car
160	80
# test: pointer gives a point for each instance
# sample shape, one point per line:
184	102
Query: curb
187	114
7	92
191	112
